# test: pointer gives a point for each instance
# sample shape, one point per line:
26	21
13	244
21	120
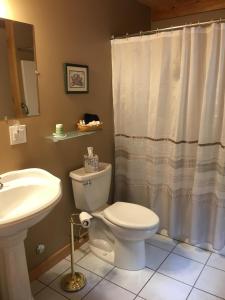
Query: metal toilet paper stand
73	281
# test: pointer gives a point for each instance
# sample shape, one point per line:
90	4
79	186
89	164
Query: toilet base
107	256
128	255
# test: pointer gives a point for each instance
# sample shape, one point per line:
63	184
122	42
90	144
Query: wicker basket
88	127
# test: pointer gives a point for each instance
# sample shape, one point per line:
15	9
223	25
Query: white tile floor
174	271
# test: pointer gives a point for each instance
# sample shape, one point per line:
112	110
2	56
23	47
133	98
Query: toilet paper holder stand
74	281
75	220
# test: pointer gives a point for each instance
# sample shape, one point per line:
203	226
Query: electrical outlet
40	249
17	134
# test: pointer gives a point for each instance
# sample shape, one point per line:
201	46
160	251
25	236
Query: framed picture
76	78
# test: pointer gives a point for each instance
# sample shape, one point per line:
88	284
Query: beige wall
77	32
202	17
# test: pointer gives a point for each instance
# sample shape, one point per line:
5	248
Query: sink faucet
1	184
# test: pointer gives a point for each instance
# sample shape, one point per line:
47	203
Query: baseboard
54	259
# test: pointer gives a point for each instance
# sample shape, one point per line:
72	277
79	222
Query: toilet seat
131	216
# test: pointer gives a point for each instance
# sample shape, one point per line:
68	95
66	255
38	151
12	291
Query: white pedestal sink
26	197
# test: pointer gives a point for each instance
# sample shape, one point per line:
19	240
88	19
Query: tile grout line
222	270
180	242
97	283
155	271
138	297
183	242
199	276
47	285
35	294
61	294
189	244
96	273
102	278
58	293
149	243
203	263
221	298
174	279
120	286
76	263
85	270
201	273
69	260
171	252
80	258
192	259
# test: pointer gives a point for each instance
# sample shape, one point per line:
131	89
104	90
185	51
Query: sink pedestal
14	279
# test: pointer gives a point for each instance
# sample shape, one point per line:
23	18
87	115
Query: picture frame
76	78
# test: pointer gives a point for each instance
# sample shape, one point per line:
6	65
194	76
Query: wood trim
13	68
168	9
53	260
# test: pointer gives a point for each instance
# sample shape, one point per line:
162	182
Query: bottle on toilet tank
91	162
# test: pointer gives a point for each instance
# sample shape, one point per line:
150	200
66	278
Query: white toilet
117	233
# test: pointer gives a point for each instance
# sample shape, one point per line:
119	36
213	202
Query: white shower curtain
169	112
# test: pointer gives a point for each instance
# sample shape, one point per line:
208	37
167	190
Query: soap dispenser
91	162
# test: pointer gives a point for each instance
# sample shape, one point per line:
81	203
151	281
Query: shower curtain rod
149	32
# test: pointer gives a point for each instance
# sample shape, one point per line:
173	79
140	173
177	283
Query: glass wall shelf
69	135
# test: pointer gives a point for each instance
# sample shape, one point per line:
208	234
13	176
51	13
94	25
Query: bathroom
80	32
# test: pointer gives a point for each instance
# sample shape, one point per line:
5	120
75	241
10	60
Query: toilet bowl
118	232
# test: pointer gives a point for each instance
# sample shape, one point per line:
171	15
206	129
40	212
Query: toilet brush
73	281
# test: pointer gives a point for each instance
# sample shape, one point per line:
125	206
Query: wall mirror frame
19	96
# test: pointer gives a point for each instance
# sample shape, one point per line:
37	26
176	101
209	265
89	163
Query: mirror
18	75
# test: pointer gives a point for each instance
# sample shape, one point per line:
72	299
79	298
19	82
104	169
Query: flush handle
87	182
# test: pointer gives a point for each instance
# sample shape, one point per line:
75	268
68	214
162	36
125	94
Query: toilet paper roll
85	219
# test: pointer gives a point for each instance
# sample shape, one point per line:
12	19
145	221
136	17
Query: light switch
17	134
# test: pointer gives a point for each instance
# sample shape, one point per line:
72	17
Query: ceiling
166	9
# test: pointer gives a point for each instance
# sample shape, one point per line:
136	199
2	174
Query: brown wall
6	104
77	32
201	17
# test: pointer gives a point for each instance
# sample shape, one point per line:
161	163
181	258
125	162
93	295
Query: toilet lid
131	215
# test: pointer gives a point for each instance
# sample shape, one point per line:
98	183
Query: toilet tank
91	190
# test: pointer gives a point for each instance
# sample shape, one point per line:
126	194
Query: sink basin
26	198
